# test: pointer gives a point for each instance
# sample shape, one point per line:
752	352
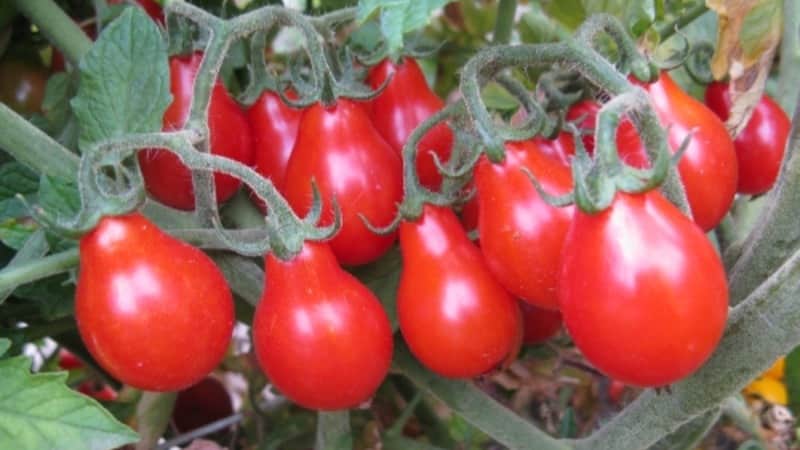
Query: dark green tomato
22	85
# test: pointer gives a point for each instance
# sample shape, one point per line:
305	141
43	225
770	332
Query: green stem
38	269
789	78
432	425
333	431
665	31
32	147
504	24
57	26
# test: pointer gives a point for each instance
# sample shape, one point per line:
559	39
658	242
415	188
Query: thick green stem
57	26
504	24
32	147
666	30
333	431
759	330
789	78
38	269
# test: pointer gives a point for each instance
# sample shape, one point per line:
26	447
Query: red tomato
341	151
708	168
628	143
274	125
521	235
201	404
561	148
760	146
643	293
68	361
539	324
320	335
97	390
154	312
404	104
165	176
457	320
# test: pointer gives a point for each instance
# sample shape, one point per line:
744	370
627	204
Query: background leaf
124	83
399	17
39	412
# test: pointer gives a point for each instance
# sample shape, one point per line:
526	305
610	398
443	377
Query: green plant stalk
38	269
333	431
153	413
475	406
34	148
57	26
433	426
666	30
504	24
759	330
789	78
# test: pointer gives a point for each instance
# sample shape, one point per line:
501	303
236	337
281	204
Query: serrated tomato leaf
124	86
398	17
39	412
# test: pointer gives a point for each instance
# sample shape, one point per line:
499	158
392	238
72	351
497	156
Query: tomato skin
708	168
201	404
643	293
165	176
521	235
456	318
629	146
342	152
22	85
98	391
539	324
274	125
760	145
321	336
68	361
405	103
154	312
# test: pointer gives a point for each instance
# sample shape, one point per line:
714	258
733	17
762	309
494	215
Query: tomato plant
629	145
623	305
401	106
147	324
320	335
446	282
166	178
760	145
521	235
338	148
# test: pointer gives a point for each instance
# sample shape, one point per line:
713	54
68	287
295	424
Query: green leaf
53	296
16	178
124	85
59	121
791	377
39	412
59	197
689	435
636	16
759	24
14	233
34	248
5	344
571	13
398	17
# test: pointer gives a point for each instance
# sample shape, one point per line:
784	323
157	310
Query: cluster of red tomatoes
641	290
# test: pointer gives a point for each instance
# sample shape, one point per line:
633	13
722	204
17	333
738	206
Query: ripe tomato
201	404
628	143
521	235
404	104
321	336
274	125
562	148
22	85
154	312
456	318
708	168
165	176
760	146
539	324
68	361
643	293
338	148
